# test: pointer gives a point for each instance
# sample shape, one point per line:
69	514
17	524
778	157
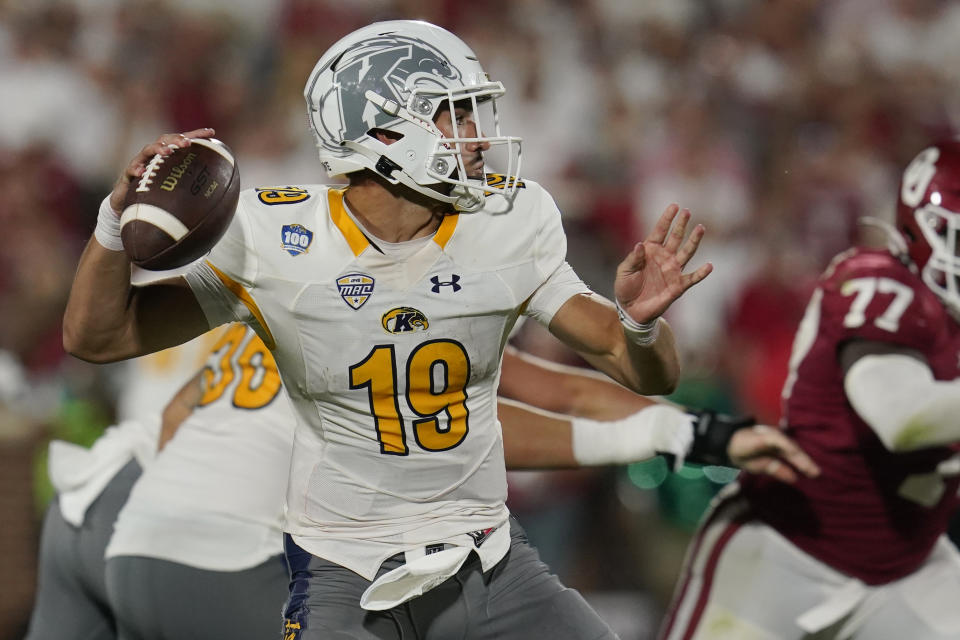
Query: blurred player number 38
181	205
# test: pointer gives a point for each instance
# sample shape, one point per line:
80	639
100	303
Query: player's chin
475	169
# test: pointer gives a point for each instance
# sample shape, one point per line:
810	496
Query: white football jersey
392	365
147	383
213	497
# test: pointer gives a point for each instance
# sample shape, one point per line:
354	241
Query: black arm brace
712	432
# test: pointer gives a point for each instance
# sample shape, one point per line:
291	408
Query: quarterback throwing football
387	304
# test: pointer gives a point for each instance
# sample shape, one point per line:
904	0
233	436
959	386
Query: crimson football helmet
928	218
394	77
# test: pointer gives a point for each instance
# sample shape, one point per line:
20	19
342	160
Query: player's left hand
651	277
765	450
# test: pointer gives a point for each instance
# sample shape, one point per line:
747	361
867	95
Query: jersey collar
358	242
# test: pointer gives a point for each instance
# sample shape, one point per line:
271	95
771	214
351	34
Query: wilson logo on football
404	320
355	289
296	238
173	178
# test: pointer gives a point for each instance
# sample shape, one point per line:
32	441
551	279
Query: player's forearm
647	365
898	397
648	369
107	319
96	323
576	391
654	368
180	408
601	399
534	439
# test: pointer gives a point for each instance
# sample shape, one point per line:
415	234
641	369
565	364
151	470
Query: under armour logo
452	282
479	537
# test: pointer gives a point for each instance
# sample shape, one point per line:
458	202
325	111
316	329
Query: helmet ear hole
386	136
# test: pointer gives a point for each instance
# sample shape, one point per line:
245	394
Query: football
181	206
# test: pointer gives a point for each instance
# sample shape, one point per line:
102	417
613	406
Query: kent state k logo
452	282
404	320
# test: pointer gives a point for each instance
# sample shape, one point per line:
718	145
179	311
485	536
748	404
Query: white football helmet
395	76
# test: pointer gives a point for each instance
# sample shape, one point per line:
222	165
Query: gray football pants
156	599
71	599
518	599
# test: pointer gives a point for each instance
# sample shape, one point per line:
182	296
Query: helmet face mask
395	77
928	217
941	229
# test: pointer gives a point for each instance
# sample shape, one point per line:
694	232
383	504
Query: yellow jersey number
259	381
377	373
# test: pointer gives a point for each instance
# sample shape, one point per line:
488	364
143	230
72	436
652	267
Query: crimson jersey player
873	396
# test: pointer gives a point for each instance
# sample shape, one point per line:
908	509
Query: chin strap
467	199
464	200
393	172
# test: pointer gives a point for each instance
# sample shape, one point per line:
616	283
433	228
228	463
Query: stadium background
777	122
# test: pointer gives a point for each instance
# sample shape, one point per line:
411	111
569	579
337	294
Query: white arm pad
898	397
659	428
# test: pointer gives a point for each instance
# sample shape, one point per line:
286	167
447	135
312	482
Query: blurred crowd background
779	123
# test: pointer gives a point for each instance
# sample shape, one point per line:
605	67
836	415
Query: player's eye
463	117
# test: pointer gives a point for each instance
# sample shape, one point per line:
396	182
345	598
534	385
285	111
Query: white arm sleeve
898	397
218	303
235	258
560	286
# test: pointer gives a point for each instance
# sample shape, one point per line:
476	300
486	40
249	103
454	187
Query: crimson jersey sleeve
871	295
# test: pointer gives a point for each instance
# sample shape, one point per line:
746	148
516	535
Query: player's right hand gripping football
164	145
651	277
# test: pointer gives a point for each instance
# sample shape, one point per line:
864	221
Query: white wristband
641	333
660	428
107	232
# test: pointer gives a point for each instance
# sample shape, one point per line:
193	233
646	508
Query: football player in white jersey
92	485
387	305
197	550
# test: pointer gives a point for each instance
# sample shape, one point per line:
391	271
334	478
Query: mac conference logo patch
404	320
355	289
